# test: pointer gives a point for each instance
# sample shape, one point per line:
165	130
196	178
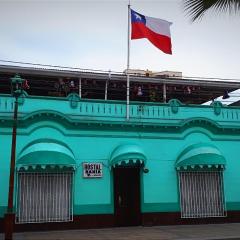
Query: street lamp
17	90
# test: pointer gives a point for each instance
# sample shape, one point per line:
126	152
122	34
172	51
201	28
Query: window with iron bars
201	194
44	197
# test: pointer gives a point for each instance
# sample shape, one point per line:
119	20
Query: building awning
127	155
46	154
200	155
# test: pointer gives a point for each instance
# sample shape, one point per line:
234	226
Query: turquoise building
80	163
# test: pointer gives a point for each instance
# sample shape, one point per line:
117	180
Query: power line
107	71
58	66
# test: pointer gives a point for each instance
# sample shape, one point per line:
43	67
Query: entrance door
127	196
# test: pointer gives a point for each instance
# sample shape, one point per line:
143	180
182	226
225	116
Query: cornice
76	122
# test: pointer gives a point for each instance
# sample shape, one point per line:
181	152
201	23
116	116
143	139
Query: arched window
45	182
200	174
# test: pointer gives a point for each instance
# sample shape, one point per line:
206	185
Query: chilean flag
156	30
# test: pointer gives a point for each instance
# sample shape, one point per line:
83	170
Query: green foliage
197	8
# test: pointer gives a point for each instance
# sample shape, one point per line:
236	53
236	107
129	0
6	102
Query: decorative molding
74	100
217	107
174	104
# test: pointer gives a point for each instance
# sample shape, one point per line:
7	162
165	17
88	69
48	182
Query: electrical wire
113	72
61	67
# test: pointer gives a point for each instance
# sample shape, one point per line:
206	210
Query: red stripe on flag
139	30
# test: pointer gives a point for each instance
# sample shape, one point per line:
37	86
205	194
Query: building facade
80	163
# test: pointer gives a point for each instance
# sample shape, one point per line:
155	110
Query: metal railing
44	197
201	194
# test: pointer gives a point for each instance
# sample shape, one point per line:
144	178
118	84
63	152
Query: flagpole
128	60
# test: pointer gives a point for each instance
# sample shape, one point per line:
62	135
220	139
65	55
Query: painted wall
94	142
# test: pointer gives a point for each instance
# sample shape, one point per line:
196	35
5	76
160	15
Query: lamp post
9	218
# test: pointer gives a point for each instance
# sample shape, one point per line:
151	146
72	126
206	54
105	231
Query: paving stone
180	232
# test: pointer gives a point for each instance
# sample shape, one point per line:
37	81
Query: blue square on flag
137	17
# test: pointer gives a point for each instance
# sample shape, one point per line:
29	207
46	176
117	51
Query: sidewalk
183	232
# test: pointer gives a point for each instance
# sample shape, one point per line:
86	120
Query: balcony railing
115	111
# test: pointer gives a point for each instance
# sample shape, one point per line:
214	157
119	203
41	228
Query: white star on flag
137	16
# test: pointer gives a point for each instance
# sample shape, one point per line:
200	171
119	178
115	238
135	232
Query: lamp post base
9	220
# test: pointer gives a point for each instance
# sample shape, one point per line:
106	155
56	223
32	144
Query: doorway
127	196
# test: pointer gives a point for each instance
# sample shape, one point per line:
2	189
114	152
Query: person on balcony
153	94
137	93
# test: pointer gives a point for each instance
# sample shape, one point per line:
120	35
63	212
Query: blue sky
93	34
